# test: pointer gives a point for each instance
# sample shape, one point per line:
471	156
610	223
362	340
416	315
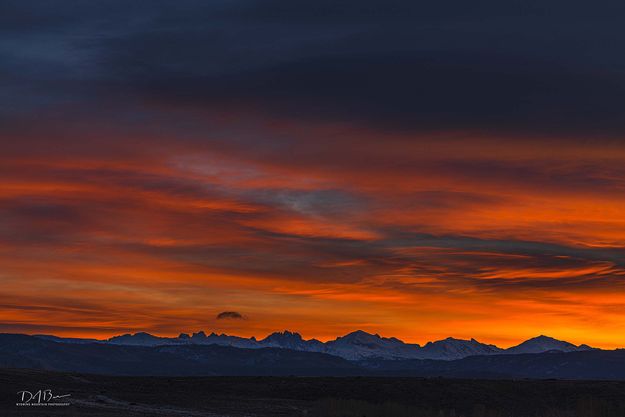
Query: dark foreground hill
109	396
597	364
21	351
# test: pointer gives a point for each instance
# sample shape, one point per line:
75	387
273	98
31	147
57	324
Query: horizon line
208	333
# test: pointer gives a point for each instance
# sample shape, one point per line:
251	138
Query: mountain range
193	359
354	346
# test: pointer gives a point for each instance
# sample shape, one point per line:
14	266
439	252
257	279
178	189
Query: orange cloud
419	240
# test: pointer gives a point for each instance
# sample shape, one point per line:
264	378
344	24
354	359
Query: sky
413	169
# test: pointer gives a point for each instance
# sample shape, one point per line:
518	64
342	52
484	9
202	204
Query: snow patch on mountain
450	349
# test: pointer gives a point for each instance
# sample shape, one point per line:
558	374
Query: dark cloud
229	315
414	91
515	66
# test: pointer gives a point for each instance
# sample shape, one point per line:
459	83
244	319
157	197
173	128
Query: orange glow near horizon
398	241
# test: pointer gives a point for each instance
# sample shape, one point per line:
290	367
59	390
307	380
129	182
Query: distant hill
22	351
589	364
356	345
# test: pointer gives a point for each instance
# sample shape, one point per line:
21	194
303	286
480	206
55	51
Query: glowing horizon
311	171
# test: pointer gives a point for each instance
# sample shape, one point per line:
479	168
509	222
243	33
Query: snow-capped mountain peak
451	348
544	343
291	340
361	345
283	336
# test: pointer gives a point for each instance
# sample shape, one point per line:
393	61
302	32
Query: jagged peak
199	334
286	334
363	337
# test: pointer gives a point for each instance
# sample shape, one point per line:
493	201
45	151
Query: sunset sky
413	169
